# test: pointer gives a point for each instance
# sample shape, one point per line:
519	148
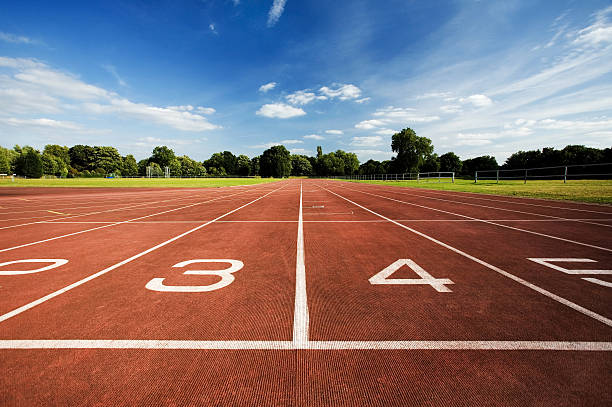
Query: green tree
485	162
275	162
412	150
370	167
191	168
61	152
300	165
7	160
81	157
163	156
450	162
29	163
243	165
351	162
130	167
106	160
50	164
156	170
175	168
431	164
255	165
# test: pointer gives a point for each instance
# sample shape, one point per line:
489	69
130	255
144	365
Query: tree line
413	154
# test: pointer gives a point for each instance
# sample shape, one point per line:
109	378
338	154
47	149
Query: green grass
595	191
134	182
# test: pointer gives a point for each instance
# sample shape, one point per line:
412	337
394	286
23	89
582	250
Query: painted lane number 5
226	274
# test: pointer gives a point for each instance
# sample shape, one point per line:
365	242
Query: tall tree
81	157
412	150
163	156
243	165
130	167
450	162
275	162
300	165
29	163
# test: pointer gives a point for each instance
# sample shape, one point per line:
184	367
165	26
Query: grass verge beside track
134	182
594	191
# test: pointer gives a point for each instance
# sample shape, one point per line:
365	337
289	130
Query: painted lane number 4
382	277
548	262
226	274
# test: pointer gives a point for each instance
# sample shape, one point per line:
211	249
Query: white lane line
312	345
39	301
464	195
113	224
300	313
486	221
519	280
497	208
88	213
319	221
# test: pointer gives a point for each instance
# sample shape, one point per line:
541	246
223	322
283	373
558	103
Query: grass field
134	182
595	191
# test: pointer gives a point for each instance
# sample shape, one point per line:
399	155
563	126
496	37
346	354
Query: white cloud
113	71
41	122
362	100
213	29
276	11
370	124
336	132
451	108
314	137
477	100
434	95
206	110
397	114
367	141
292	141
598	32
385	132
268	86
16	39
173	117
342	92
36	88
301	97
280	111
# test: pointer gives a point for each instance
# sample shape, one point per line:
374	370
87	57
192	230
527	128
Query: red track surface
301	324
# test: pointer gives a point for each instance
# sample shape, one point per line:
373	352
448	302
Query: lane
507	251
254	304
592	233
48	231
89	253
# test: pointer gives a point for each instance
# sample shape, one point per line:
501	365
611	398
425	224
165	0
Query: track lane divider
117	223
300	314
485	221
54	294
555	297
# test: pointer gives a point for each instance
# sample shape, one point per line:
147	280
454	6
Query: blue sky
476	77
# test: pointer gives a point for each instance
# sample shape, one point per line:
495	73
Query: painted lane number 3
226	274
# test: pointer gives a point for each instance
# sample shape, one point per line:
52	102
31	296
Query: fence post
565	175
453	177
439	178
525	176
476	177
497	177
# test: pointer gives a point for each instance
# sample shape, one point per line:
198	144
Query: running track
333	293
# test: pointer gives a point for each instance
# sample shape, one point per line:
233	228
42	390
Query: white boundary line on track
555	297
469	195
323	221
54	294
499	209
90	213
484	221
310	345
300	313
115	223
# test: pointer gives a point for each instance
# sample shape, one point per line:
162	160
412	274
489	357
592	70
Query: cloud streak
276	11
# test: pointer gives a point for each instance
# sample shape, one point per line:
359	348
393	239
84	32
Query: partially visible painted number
382	277
548	263
226	274
54	263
